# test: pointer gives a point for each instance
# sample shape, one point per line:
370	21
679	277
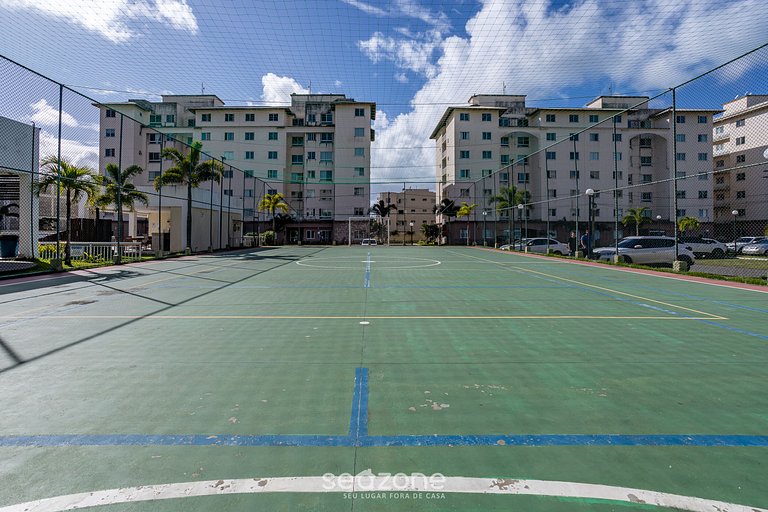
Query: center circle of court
351	262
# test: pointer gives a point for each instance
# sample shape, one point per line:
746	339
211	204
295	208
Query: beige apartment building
556	154
412	205
740	149
315	152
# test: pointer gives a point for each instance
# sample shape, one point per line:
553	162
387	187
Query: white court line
378	484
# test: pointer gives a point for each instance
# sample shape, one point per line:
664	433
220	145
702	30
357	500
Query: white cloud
111	18
405	8
338	83
366	8
75	152
277	89
44	114
401	77
543	53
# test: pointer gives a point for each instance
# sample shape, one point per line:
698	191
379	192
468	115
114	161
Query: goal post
359	228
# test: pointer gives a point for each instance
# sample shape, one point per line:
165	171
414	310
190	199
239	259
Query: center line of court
367	283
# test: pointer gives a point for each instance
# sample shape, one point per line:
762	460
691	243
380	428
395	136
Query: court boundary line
361	317
601	288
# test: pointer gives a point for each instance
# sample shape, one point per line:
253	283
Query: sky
413	58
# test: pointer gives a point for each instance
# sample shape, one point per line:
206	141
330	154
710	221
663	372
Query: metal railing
93	252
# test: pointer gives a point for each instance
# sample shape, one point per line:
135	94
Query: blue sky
412	57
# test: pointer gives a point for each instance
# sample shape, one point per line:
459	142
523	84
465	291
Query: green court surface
237	381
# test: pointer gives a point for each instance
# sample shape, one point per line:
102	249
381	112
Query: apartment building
740	150
315	152
414	205
556	154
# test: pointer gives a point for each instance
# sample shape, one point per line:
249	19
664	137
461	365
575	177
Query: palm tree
687	223
381	209
635	216
119	191
271	203
447	208
507	199
465	210
190	171
73	182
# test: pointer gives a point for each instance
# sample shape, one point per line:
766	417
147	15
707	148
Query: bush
269	237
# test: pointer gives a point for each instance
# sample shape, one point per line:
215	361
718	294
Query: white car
647	250
538	245
368	241
705	247
742	242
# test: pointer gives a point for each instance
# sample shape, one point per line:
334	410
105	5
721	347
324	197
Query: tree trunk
119	231
467	230
189	217
67	249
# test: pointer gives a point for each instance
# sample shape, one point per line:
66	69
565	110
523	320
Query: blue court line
358	436
368	271
358	422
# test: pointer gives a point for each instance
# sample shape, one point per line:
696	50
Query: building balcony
721	136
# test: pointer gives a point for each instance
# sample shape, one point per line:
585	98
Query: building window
228	155
464	173
680	157
326	175
741	140
645	161
740	122
680	119
552	193
594	155
359	151
573	137
646	197
551	155
487	117
297	141
272	191
272	174
594	137
464	154
646	178
153	175
617	156
504	160
594	175
155	119
326	118
551	136
703	137
741	176
272	155
326	138
464	135
326	156
573	118
359	132
574	175
574	155
248	173
487	136
505	141
359	191
154	156
464	116
170	118
250	136
741	194
154	138
720	163
464	192
616	137
703	194
551	118
703	119
249	118
310	155
249	155
311	137
229	135
359	112
523	177
552	175
680	194
740	159
593	118
703	213
297	159
229	118
205	136
110	113
553	212
504	176
227	173
274	117
703	157
487	155
703	176
359	171
523	142
272	136
109	152
109	132
680	137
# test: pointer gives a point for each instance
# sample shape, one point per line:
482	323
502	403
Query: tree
190	171
636	217
688	223
73	182
119	191
271	203
465	210
507	199
448	208
382	209
430	231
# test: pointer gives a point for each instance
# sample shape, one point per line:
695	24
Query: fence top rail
96	244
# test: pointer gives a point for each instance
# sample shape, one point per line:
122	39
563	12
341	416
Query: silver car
538	245
736	246
757	249
647	250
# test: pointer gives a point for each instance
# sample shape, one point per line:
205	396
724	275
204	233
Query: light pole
520	210
735	214
658	222
411	225
591	219
485	215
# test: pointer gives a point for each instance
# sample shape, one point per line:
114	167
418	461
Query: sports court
236	381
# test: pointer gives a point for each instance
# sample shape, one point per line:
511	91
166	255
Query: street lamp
520	209
411	224
591	219
735	214
658	222
485	214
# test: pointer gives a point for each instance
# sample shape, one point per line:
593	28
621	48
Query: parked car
538	245
647	250
368	241
757	249
742	242
705	247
